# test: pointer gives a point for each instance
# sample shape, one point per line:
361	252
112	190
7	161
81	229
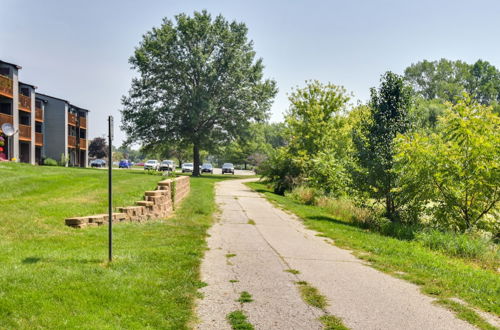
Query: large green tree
374	141
447	80
199	83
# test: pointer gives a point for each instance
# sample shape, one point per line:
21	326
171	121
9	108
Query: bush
304	195
279	170
49	162
468	246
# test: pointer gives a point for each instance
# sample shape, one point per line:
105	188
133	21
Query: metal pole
110	187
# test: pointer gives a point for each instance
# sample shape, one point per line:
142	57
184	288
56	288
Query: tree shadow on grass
34	260
394	230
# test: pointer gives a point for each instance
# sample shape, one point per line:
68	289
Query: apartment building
65	131
46	126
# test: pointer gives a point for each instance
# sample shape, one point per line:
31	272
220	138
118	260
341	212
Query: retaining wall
159	203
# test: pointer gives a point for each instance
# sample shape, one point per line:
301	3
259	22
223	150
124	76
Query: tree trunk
390	209
196	160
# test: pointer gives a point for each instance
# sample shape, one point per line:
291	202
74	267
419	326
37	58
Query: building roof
17	66
52	97
32	86
57	98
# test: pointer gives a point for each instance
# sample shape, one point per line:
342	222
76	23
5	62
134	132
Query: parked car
152	164
207	168
124	163
167	165
228	168
139	164
187	167
98	163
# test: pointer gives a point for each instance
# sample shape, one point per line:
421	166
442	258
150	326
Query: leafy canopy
447	80
453	174
98	148
199	84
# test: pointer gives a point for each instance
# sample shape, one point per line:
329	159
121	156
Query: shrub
281	172
64	160
49	162
305	195
345	209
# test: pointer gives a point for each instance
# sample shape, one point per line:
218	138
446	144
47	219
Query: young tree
454	173
98	148
316	141
389	107
199	84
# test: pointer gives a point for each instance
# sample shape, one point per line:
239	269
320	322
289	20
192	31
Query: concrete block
145	203
76	221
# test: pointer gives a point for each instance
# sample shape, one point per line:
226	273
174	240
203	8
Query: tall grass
466	246
461	245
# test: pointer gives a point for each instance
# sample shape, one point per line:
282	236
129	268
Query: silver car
187	167
152	164
167	165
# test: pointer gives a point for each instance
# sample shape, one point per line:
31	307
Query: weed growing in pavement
466	313
245	297
230	255
311	295
233	281
238	321
331	322
293	271
251	222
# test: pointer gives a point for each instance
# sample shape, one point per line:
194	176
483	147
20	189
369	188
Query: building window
25	91
83	134
24	119
6	108
38	104
38	127
5	71
71	130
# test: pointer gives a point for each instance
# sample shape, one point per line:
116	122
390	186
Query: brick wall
157	204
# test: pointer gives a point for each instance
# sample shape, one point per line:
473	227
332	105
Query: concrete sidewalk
363	297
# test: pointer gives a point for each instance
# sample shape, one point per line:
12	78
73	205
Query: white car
152	164
167	165
187	167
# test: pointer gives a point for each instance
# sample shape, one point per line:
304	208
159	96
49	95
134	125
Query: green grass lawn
437	274
53	276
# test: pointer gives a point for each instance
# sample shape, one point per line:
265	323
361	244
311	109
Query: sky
79	50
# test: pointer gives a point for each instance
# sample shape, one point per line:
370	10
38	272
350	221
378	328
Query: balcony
6	119
24	103
83	122
39	139
6	86
83	144
71	119
24	133
38	114
71	141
